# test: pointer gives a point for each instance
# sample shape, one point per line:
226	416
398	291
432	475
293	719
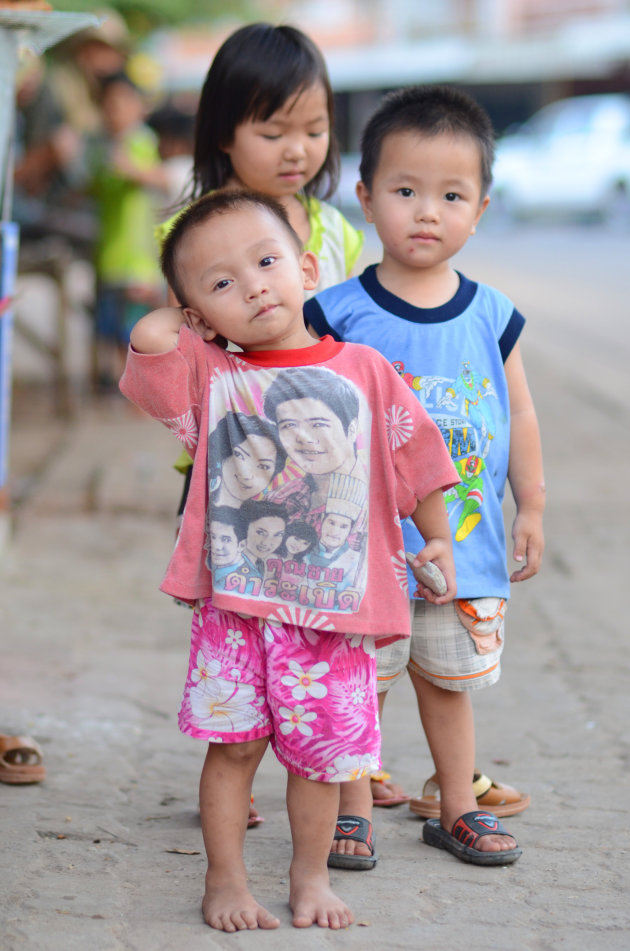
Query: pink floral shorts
312	692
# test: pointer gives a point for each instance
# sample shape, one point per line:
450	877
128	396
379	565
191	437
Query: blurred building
513	55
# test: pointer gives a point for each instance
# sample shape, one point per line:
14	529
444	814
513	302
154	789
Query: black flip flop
467	830
360	830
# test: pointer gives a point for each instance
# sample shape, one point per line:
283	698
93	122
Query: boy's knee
446	693
239	754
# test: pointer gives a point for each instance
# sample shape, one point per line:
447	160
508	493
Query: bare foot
229	906
384	790
313	902
253	819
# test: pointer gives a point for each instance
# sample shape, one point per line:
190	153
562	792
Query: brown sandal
20	760
495	797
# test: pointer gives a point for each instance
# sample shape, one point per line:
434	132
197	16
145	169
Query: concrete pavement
93	659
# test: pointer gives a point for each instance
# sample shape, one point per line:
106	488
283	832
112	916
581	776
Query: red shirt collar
320	352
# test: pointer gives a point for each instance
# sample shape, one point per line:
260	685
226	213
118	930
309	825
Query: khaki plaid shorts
441	650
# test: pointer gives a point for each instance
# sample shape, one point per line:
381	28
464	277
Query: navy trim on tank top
314	315
511	334
418	315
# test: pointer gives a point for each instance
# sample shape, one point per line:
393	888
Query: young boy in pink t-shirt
283	646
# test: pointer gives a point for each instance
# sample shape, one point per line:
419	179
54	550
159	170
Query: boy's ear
365	200
310	270
482	207
196	322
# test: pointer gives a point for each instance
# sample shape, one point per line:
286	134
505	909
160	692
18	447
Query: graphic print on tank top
464	409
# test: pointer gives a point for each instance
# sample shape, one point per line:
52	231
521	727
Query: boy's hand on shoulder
439	551
529	543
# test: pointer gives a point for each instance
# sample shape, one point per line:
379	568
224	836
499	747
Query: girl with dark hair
265	123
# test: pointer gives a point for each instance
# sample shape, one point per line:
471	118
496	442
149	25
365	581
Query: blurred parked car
570	158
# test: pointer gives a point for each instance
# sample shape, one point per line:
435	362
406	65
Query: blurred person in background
48	160
81	63
175	130
129	184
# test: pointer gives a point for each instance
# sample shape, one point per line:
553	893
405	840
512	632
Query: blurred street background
553	74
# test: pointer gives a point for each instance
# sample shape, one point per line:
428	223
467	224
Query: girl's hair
256	70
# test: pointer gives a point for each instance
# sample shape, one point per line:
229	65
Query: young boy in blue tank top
425	174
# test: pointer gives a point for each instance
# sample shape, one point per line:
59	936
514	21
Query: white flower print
205	668
400	570
358	695
298	717
234	638
366	641
268	633
347	767
215	377
185	428
240	362
305	681
399	426
224	706
302	617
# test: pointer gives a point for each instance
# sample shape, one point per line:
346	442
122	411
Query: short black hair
252	510
318	383
221	202
120	78
429	111
171	122
226	515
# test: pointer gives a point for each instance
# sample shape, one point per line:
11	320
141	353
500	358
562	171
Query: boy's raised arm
525	471
158	331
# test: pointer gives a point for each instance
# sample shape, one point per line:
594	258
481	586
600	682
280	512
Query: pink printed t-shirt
305	461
